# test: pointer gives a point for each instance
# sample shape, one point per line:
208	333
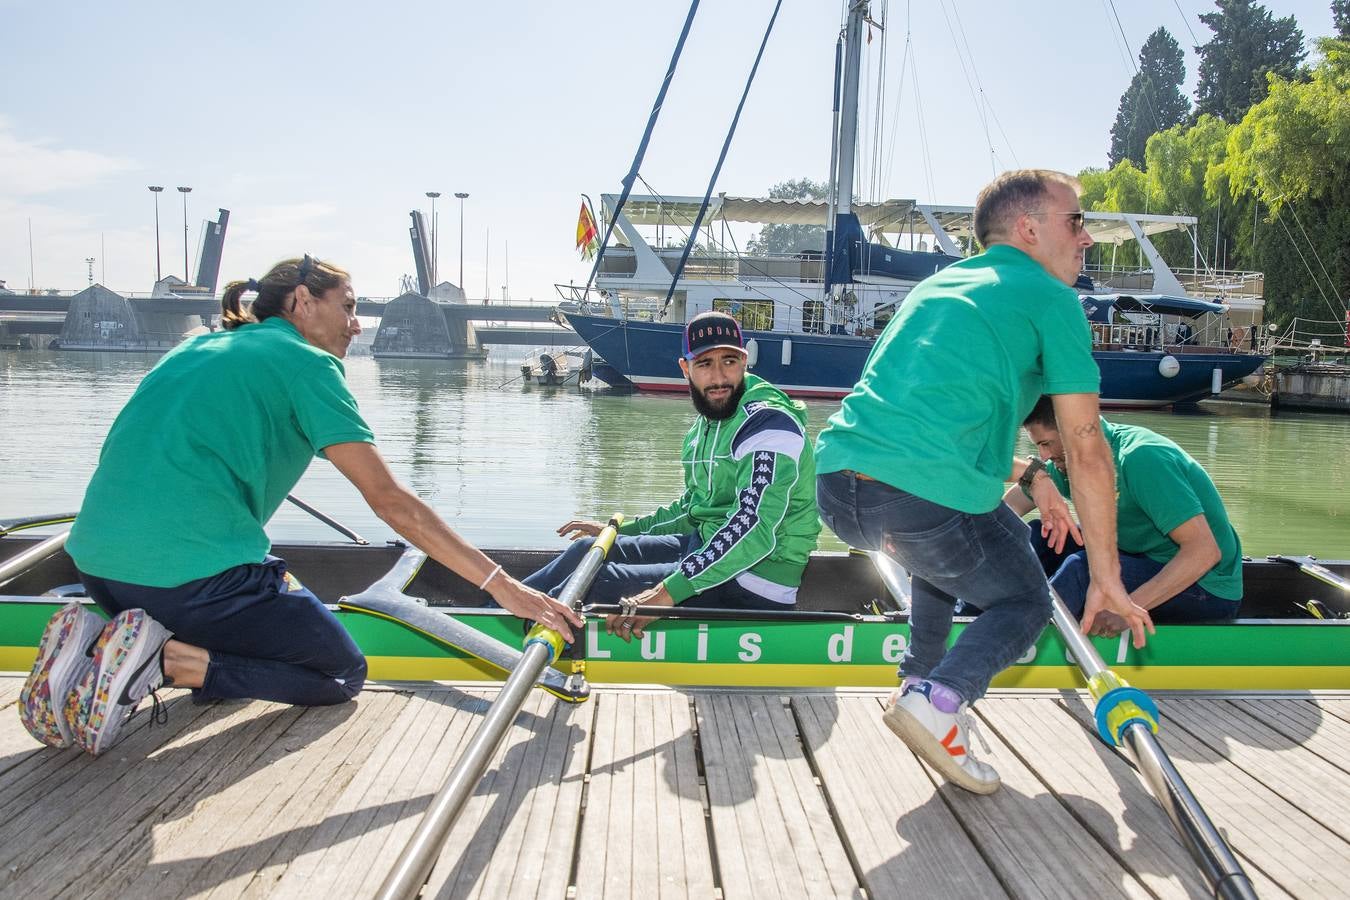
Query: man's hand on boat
1057	524
579	528
1108	625
1114	600
629	627
405	512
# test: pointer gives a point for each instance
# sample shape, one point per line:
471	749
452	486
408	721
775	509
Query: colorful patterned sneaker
126	669
63	658
933	721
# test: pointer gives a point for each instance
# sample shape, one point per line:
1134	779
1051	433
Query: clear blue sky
320	125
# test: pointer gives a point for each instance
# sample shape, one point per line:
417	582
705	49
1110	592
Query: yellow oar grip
547	636
1118	705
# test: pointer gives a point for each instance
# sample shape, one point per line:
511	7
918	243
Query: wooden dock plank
242	811
817	850
1265	830
1029	836
1306	724
644	813
1337	707
905	840
517	836
743	850
385	791
457	717
10	686
1096	787
28	779
685	865
1303	778
257	800
123	792
327	782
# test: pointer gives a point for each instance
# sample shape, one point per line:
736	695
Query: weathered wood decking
662	794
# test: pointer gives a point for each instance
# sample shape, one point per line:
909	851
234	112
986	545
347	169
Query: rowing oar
328	520
13	568
542	646
1128	718
723	615
1309	565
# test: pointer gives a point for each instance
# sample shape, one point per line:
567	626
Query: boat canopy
1098	306
1105	227
885	216
653	210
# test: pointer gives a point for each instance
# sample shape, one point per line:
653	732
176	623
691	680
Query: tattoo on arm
1085	430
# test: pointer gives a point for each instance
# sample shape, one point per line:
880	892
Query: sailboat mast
831	196
848	113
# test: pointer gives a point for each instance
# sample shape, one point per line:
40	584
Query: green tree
1153	101
1340	15
1123	188
1248	44
1185	180
1292	152
784	239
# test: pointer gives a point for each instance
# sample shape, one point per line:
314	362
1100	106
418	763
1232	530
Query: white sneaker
941	739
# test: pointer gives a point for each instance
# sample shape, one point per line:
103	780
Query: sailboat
810	318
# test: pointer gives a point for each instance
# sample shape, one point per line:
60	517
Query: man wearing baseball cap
740	534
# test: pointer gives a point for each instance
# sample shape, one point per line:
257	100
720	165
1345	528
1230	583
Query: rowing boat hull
857	650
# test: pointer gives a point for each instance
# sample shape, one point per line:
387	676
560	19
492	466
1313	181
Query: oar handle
1128	718
574	592
410	871
16	566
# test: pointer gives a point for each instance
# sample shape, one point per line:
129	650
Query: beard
717	409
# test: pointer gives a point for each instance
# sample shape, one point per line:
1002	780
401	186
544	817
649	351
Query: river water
506	463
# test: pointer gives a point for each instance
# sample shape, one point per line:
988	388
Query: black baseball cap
711	331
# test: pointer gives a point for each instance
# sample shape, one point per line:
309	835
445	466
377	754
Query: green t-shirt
1158	487
949	381
206	450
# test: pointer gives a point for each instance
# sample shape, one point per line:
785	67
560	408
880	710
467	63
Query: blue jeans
1194	604
268	638
984	558
638	562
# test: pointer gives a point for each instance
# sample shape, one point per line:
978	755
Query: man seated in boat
740	534
914	462
169	540
1179	556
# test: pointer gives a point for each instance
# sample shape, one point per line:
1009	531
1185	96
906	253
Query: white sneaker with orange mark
940	738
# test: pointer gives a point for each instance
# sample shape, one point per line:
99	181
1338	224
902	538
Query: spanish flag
586	233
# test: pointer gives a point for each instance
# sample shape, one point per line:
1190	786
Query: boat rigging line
542	646
642	145
721	158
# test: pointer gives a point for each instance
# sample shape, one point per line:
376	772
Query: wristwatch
1034	466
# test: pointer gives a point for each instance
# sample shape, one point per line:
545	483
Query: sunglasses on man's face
1076	218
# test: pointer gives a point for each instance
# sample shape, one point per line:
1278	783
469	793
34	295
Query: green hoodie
749	491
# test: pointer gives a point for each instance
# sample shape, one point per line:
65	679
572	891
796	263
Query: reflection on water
507	463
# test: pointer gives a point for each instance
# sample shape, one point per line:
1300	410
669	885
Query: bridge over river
411	325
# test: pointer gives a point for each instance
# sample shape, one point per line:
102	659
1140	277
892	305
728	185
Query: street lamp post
155	189
185	191
461	196
435	242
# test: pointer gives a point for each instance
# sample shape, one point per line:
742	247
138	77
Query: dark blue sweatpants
269	638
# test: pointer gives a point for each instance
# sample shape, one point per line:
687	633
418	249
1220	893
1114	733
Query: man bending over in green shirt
914	462
1179	556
